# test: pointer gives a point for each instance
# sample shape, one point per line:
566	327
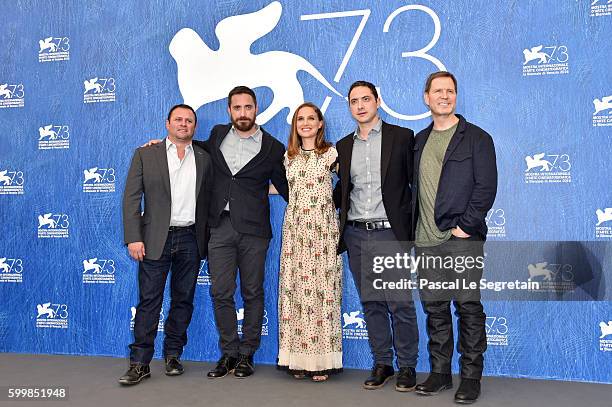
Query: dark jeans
180	255
229	250
391	320
472	341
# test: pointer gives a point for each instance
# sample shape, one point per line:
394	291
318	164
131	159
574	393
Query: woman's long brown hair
295	142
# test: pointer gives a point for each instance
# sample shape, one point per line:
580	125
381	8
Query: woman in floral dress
310	283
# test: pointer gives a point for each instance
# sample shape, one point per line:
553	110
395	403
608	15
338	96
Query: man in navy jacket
455	182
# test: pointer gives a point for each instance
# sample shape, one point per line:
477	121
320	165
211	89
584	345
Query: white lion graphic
535	53
604	104
45	310
537	161
47	44
205	75
353	318
539	269
606	329
603	216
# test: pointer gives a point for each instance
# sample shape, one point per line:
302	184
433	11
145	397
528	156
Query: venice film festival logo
98	271
51	137
353	325
54	49
12	95
602	116
205	75
99	90
605	339
540	60
603	227
99	180
497	331
160	325
601	8
552	277
53	225
203	274
496	222
240	319
11	270
50	315
545	168
11	182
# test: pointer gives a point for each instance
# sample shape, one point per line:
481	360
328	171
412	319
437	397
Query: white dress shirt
182	185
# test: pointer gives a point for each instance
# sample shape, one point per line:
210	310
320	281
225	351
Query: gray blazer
148	176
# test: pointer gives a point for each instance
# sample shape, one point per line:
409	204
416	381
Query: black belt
177	228
370	224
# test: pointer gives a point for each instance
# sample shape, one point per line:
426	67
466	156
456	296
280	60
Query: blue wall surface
83	84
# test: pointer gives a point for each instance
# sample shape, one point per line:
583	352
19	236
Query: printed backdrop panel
83	85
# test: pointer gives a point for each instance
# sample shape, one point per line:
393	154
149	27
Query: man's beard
243	123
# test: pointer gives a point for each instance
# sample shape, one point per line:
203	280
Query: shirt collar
256	136
170	144
375	130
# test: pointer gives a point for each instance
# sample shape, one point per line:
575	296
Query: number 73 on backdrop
421	53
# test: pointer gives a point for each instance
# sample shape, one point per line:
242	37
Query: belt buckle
370	225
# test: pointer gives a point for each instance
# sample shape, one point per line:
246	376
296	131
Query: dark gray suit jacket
148	176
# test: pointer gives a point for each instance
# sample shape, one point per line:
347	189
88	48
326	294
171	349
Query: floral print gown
310	282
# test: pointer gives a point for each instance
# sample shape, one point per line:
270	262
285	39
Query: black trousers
228	251
472	341
390	317
181	256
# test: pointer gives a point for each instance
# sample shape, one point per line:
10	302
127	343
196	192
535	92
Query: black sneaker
225	365
135	374
174	366
406	379
244	368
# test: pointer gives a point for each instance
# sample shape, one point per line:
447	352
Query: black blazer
148	176
247	191
396	173
468	181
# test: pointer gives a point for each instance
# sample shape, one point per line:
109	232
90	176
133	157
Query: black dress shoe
244	368
468	391
381	374
226	365
135	374
435	383
173	366
406	379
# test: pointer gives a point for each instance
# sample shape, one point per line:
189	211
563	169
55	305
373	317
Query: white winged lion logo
205	75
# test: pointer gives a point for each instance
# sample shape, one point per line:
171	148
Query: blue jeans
180	255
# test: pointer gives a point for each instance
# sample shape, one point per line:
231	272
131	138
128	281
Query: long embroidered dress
310	282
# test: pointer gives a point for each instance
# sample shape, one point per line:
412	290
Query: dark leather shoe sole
126	382
211	375
242	375
174	372
404	389
433	393
377	386
465	401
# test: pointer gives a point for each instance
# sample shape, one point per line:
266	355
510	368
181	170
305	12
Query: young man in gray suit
169	233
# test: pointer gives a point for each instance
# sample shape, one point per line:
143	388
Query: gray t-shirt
430	168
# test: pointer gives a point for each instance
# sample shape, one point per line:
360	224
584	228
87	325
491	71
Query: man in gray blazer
175	179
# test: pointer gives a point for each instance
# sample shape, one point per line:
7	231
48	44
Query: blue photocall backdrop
82	85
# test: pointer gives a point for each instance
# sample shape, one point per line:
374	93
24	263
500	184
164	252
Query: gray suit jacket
148	176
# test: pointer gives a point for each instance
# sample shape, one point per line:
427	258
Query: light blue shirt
366	195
